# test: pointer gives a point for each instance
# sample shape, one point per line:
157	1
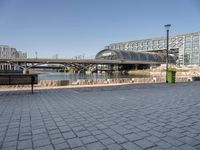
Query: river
74	77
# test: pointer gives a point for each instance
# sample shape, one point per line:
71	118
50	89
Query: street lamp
167	27
36	55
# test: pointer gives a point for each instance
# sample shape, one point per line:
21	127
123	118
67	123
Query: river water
74	77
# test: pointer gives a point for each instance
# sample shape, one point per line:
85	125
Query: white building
10	52
7	52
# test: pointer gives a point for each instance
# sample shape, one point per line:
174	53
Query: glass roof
109	54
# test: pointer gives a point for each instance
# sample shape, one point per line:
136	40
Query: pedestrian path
128	117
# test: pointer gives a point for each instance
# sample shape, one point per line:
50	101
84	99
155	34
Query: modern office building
10	53
186	47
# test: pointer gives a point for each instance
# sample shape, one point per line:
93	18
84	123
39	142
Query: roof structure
108	54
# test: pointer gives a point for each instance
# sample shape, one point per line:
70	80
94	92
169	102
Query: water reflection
74	77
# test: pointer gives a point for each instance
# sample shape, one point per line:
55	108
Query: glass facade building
108	54
185	47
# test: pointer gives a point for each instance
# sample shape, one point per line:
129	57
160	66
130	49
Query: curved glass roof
135	56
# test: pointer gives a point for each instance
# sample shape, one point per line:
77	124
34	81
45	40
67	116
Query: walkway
131	117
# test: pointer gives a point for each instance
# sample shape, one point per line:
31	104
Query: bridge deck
68	61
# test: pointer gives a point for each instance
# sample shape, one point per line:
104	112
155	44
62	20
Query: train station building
184	47
108	54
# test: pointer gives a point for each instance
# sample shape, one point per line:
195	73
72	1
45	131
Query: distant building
7	52
22	54
186	47
10	53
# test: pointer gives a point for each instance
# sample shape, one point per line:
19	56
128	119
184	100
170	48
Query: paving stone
80	148
61	146
133	137
107	141
131	146
175	134
96	146
11	138
101	136
189	134
163	144
39	131
114	147
187	147
153	139
101	126
25	144
55	136
156	133
64	129
9	144
173	141
25	137
55	131
41	142
121	130
28	149
77	128
189	141
9	148
75	142
96	132
157	148
118	138
109	132
40	136
126	116
58	140
173	148
83	133
47	147
69	135
88	139
197	146
144	143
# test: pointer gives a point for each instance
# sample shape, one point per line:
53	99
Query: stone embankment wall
185	74
54	83
108	81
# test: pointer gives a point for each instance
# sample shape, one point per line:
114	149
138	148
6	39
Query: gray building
7	52
186	47
10	53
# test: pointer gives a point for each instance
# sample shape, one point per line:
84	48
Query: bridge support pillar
25	71
136	67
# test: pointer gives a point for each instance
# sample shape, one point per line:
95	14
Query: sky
69	28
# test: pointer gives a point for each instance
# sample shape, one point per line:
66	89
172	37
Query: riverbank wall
81	82
109	81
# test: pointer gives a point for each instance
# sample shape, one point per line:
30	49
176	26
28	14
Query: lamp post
36	55
167	27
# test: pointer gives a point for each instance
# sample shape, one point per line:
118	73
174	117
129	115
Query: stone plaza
130	117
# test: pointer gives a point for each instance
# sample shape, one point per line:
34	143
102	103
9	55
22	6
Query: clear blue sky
75	27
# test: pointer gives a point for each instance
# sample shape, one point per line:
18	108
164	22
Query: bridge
75	61
113	60
78	65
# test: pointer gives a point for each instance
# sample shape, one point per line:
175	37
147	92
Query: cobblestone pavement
132	117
